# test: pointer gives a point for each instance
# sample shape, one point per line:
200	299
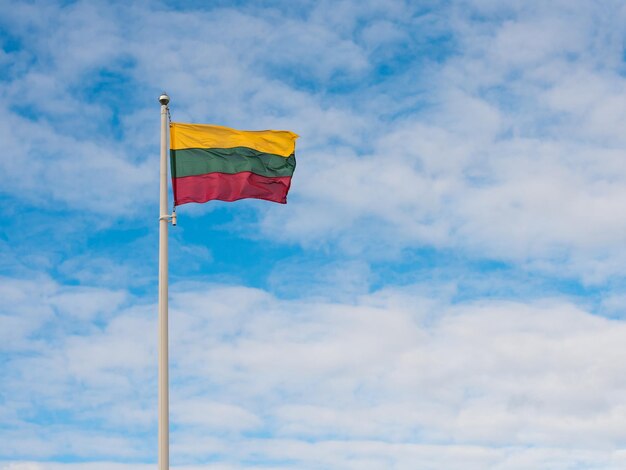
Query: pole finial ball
164	99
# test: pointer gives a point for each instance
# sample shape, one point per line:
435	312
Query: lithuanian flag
215	162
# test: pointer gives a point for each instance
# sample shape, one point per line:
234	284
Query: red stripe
230	187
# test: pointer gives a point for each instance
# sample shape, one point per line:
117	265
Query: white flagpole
164	219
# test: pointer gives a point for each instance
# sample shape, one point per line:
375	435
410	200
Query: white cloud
391	376
512	153
517	159
198	412
82	174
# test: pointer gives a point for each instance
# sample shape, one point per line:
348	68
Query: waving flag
214	162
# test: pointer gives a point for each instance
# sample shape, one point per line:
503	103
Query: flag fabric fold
215	162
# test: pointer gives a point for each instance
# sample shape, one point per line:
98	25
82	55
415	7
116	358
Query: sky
445	289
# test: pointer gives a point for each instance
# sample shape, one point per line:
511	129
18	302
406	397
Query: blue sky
445	289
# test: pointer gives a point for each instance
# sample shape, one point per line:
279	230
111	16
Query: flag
214	162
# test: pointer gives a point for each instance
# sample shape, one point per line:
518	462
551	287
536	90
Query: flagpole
164	219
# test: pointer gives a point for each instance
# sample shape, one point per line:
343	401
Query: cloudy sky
445	289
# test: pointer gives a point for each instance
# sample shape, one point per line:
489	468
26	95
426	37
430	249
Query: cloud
509	146
391	376
516	159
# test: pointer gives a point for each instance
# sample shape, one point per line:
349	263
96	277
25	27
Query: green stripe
191	162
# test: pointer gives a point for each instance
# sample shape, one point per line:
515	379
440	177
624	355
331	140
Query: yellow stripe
189	136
